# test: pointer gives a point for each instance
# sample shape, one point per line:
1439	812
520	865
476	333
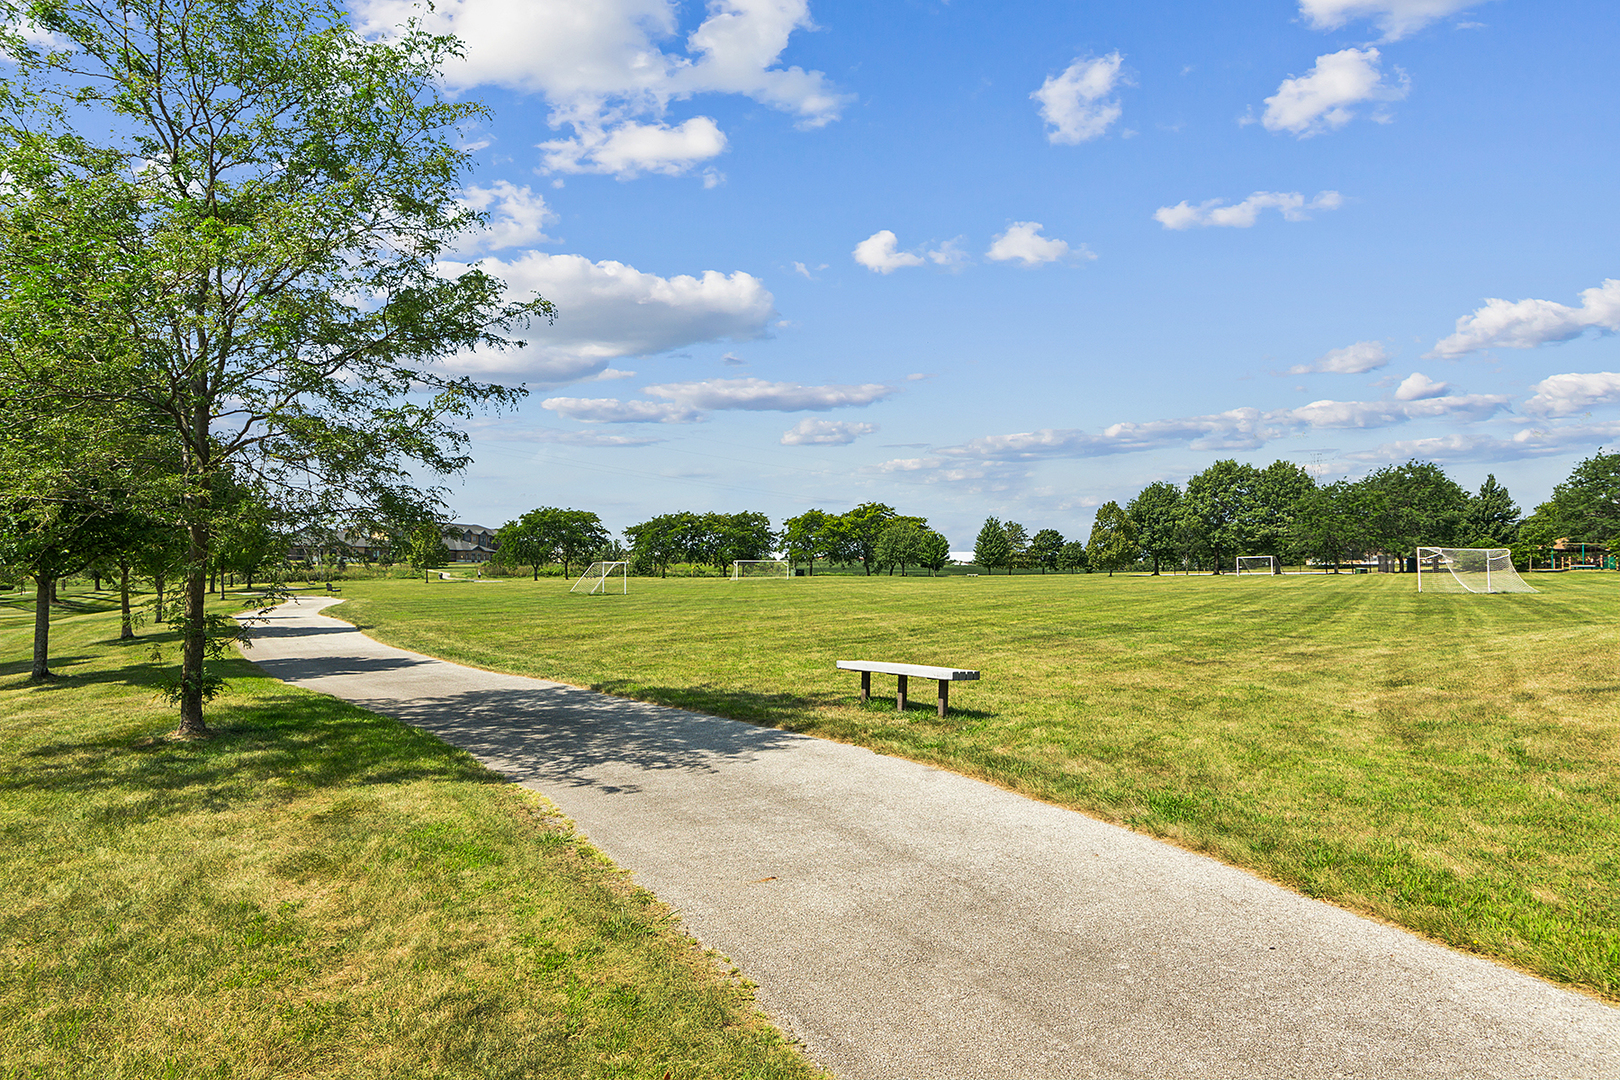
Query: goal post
1256	564
760	568
598	578
1470	570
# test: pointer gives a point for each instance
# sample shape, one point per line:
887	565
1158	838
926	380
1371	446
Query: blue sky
1022	258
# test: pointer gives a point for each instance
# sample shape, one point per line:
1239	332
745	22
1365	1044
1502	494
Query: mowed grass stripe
1445	762
317	891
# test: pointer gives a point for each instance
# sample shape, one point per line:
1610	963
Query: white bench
945	675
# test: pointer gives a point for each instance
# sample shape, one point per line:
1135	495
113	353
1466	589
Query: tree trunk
193	635
95	576
44	585
157	583
126	628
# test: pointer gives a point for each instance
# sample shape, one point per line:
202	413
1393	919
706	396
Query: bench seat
903	672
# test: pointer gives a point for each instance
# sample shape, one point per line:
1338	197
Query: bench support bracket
900	694
866	686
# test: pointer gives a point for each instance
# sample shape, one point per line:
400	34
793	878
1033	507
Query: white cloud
517	217
1074	104
878	253
1235	429
577	438
825	433
607	310
1526	443
1524	324
760	394
1568	394
1022	241
614	411
1321	101
1242	215
1418	386
1396	18
602	65
632	148
1350	360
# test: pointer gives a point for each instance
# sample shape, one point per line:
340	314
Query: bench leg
866	686
900	696
944	696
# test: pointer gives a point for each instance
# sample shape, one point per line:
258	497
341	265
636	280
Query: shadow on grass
265	745
566	736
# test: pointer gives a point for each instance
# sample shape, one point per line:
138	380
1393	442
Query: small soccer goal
598	578
1256	564
760	568
1473	570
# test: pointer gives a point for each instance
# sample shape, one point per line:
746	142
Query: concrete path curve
908	922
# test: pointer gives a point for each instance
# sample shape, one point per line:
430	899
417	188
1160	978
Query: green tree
1221	505
934	552
1336	521
991	549
1586	506
268	217
48	543
1044	549
425	549
1073	557
1018	543
1156	512
860	529
665	539
1492	515
1113	543
529	540
901	543
805	538
1415	503
1278	490
580	534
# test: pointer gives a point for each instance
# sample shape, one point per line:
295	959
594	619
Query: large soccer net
598	578
1474	570
1256	564
760	568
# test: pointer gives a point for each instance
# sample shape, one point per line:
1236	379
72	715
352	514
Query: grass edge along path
317	891
1450	764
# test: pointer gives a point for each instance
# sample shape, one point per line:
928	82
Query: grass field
1449	763
315	892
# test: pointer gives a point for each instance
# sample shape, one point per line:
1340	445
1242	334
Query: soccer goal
766	568
1474	570
1256	564
598	578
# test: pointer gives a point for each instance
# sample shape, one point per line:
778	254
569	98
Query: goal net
598	578
1474	570
1256	564
765	568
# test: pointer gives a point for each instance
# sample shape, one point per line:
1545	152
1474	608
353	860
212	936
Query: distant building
469	543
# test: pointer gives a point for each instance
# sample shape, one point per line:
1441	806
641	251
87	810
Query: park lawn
1450	763
317	891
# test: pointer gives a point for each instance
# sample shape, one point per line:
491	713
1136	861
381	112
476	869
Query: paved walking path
908	922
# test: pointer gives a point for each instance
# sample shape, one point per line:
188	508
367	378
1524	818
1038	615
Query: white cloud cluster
1351	360
881	254
1524	324
632	148
1418	386
1022	242
825	433
1214	212
517	217
607	310
1234	429
1323	99
603	65
1075	104
689	402
1572	393
1396	18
